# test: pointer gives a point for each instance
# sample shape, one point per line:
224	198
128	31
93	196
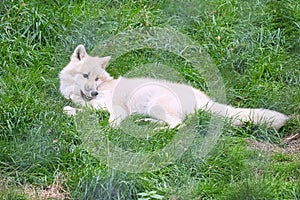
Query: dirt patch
292	143
55	191
289	145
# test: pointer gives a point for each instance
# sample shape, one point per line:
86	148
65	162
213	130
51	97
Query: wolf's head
83	75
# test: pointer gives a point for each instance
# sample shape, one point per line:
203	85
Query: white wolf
85	81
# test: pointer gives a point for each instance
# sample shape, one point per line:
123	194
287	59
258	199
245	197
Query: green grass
254	44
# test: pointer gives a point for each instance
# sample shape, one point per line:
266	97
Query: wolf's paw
70	110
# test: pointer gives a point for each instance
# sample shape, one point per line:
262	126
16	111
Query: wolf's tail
239	116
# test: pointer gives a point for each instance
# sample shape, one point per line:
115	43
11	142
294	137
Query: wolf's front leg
77	99
70	110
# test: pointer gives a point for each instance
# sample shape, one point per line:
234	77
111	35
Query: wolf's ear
105	61
79	53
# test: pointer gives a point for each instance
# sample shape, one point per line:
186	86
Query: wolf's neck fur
109	85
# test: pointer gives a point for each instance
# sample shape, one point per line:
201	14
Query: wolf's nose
94	93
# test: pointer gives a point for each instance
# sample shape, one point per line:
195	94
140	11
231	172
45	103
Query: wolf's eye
85	75
96	79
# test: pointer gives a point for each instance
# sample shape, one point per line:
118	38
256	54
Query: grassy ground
254	44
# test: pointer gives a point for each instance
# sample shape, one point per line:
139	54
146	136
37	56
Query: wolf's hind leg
171	113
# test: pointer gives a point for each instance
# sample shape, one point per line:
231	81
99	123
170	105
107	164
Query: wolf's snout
94	93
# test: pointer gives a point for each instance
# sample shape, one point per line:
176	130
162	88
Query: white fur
162	100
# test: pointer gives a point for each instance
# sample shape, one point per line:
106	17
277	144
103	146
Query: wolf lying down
85	81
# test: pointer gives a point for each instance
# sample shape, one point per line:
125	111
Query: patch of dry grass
289	145
55	191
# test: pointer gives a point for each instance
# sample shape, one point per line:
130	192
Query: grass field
254	44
